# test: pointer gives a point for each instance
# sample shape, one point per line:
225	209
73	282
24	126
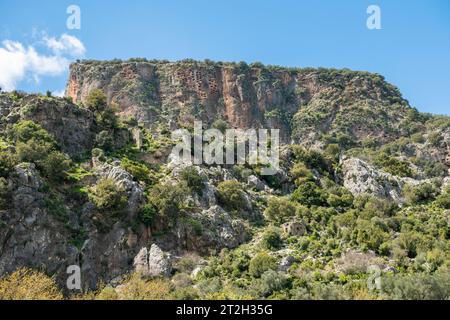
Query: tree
261	263
168	200
308	193
107	195
55	165
33	150
27	284
443	200
279	209
107	118
7	163
25	130
420	194
96	100
272	281
104	140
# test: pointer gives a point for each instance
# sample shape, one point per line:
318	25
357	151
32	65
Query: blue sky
412	50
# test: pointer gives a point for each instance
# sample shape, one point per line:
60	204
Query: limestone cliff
303	103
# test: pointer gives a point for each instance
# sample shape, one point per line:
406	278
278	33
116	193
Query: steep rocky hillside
87	180
303	103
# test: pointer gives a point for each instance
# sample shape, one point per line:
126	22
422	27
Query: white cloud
58	93
18	62
66	44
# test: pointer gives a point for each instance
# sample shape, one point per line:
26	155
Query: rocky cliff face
293	100
73	127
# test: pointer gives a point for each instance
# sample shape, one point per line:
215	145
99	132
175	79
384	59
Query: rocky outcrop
153	262
362	178
123	179
33	235
173	94
41	230
72	127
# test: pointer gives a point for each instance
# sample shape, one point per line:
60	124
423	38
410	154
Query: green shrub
272	281
418	138
3	193
168	200
96	100
220	125
343	200
417	286
27	284
7	162
193	179
419	194
370	207
279	209
261	263
108	118
443	200
435	139
300	173
369	235
394	166
138	170
33	150
312	158
271	239
104	140
309	194
107	195
26	130
231	195
333	150
55	165
147	214
35	144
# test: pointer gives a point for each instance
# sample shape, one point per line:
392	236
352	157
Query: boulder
153	262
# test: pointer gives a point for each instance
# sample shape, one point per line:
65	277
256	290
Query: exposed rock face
176	93
215	228
36	235
123	179
106	256
72	127
32	236
286	262
362	178
228	232
153	262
